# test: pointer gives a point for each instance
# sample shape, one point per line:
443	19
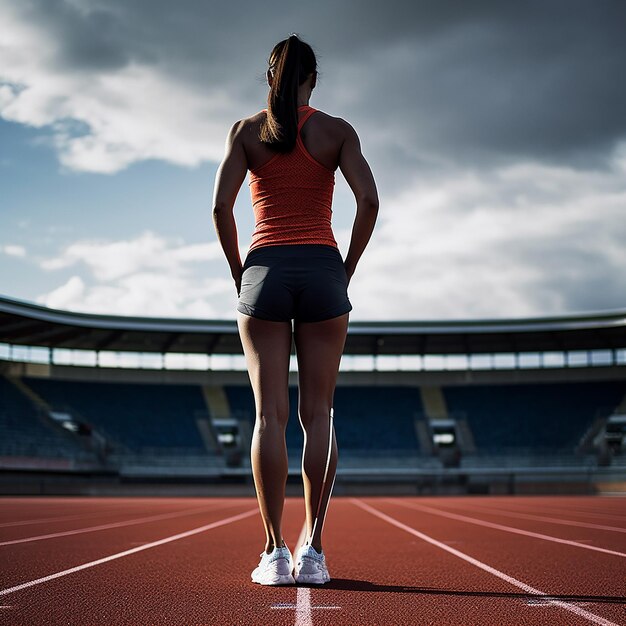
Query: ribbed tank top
292	196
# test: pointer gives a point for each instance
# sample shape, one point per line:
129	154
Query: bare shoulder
335	125
246	126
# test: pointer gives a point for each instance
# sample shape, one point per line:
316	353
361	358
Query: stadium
101	404
466	163
471	455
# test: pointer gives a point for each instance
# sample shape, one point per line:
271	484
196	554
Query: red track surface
466	561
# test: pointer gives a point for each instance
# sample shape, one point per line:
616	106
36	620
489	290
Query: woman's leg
319	346
267	346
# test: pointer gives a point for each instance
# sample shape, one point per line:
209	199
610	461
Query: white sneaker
274	568
311	566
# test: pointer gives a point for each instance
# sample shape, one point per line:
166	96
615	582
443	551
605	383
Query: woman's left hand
237	279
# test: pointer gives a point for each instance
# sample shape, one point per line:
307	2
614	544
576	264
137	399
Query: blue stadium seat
545	416
133	416
24	432
366	418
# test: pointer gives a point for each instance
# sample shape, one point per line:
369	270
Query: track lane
20	514
124	553
534	592
556	569
613	506
199	579
591	539
24	511
470	508
27	561
568	509
522	551
133	521
382	575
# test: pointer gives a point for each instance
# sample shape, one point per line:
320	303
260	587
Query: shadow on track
348	584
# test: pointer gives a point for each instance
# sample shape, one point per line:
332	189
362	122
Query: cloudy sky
495	130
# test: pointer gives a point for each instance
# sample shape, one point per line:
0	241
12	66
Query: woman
293	271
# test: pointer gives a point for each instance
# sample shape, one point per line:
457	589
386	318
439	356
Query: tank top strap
305	117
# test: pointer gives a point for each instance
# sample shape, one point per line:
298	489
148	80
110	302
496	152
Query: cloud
13	250
106	119
111	260
144	294
66	294
521	240
495	132
118	82
147	276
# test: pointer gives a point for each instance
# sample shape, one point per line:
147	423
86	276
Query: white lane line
508	529
303	595
564	511
541	518
303	607
592	617
117	510
119	555
43	520
291	606
131	522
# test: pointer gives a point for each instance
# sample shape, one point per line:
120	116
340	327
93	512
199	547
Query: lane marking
117	510
592	617
41	520
565	511
303	607
508	529
541	518
119	555
287	605
303	595
131	522
46	519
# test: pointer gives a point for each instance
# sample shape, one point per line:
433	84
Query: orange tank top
292	195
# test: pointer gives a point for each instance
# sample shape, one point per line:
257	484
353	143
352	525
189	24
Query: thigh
267	347
319	346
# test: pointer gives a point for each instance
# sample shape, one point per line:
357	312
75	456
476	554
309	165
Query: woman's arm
359	176
228	180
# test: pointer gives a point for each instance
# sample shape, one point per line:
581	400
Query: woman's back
260	144
292	192
322	136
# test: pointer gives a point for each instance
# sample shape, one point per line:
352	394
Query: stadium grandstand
102	404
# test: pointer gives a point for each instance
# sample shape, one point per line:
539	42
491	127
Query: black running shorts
304	282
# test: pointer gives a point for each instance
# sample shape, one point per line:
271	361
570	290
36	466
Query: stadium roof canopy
25	323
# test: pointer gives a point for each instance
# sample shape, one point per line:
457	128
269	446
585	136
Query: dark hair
291	62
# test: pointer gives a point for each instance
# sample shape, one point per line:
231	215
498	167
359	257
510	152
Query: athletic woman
293	271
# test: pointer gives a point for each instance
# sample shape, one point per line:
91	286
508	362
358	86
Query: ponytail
291	62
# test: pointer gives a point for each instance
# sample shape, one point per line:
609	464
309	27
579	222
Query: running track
466	561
